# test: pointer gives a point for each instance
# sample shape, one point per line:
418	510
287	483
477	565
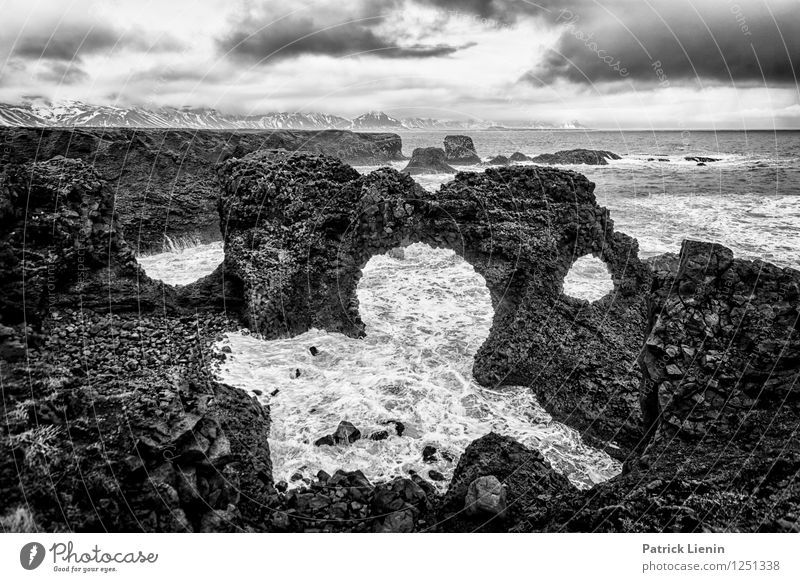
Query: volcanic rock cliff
163	180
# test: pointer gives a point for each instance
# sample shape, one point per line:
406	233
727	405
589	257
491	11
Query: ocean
427	314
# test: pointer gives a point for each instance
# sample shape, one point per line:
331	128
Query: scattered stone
314	351
379	435
282	486
322	476
429	454
296	477
274	392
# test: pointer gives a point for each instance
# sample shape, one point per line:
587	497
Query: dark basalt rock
344	434
498	161
577	156
721	365
164	180
700	159
529	481
298	262
428	161
459	150
60	245
519	157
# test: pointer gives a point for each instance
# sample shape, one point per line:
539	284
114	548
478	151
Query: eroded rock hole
588	279
406	387
182	264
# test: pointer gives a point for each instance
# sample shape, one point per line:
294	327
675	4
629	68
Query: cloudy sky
606	63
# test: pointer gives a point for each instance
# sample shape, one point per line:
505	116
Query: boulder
459	150
345	434
519	157
577	156
428	161
486	497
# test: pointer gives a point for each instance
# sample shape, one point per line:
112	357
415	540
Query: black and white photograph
400	267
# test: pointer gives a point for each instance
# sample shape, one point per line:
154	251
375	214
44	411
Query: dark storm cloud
676	42
65	43
298	36
502	11
70	41
63	73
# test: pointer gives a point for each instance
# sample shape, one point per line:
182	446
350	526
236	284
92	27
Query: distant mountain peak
38	112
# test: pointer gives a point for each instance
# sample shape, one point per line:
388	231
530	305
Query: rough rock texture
113	421
723	344
59	245
348	502
578	156
428	161
720	395
299	229
164	180
459	150
528	479
519	157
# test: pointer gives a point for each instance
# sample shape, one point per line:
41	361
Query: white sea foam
183	265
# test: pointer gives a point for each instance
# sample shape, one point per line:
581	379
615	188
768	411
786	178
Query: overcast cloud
628	63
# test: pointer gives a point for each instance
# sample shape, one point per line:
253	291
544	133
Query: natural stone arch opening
589	279
300	228
183	265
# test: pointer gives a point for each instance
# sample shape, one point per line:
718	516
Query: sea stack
428	161
459	150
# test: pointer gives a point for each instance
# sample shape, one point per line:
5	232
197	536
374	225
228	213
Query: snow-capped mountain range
78	114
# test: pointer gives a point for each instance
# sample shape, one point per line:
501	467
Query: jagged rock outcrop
164	180
720	397
299	228
459	150
114	422
519	157
428	161
577	156
723	343
59	244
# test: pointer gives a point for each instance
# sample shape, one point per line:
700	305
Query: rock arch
299	228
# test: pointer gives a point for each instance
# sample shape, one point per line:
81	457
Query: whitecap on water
426	316
182	266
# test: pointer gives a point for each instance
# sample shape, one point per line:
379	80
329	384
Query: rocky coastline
163	180
687	372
